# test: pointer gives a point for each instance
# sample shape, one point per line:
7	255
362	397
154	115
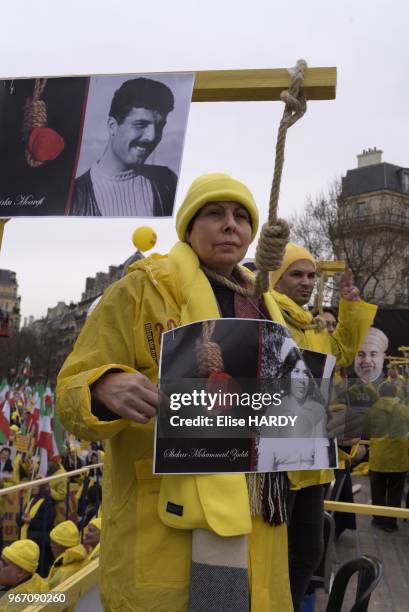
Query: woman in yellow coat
107	389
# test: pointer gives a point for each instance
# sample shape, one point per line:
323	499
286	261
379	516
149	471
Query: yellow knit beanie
214	187
66	534
23	553
293	252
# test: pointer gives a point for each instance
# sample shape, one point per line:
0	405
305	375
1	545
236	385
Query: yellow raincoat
95	552
387	426
145	564
68	563
354	321
35	584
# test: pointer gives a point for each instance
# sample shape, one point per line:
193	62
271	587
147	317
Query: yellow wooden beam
2	224
260	84
252	85
334	506
75	587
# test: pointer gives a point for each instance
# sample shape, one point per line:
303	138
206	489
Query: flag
34	416
5	419
46	441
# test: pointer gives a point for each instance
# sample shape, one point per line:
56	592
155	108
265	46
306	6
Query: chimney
369	157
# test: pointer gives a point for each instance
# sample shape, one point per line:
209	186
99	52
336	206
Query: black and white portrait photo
132	145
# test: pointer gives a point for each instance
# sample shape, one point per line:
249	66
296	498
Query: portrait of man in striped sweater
120	183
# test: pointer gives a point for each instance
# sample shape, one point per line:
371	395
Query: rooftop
375	177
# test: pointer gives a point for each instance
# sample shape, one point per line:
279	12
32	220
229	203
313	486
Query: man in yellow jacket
107	390
70	555
18	565
387	426
292	285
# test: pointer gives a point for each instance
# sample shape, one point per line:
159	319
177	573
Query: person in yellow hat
92	538
292	286
18	566
151	558
70	555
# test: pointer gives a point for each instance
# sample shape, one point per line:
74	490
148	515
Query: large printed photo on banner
40	127
132	145
92	146
238	395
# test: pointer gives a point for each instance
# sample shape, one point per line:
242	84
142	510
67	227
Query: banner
238	395
23	443
92	146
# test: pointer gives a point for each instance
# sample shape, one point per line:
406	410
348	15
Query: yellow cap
66	534
97	522
214	187
24	553
293	252
14	428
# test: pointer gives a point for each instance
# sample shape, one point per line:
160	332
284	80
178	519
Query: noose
208	353
42	143
275	233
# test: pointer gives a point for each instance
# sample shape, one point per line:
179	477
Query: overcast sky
365	40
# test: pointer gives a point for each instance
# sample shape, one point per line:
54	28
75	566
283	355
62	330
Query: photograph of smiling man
132	146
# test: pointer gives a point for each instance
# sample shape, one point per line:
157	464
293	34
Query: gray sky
365	40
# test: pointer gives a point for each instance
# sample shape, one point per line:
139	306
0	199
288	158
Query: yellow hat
214	187
293	252
97	522
66	534
24	553
14	428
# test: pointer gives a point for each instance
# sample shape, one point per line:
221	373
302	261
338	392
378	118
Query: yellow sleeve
106	342
354	321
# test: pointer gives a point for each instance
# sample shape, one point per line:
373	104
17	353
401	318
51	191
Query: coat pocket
163	553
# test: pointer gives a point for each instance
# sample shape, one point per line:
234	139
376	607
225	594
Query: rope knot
42	143
271	245
209	355
292	103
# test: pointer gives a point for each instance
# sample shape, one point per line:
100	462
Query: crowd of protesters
267	544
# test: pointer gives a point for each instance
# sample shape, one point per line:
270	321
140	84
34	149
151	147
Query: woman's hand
131	396
347	288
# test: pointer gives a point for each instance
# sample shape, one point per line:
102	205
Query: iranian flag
5	430
46	440
4	390
33	419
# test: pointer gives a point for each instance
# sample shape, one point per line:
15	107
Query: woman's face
300	381
220	235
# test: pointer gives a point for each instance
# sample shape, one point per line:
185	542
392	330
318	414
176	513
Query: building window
360	209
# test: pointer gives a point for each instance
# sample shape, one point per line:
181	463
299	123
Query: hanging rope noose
275	233
42	143
208	353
